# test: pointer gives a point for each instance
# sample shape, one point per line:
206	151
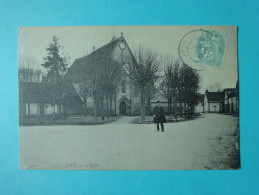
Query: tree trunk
54	102
185	108
143	108
110	105
170	106
115	104
181	113
168	103
85	106
175	111
95	109
64	110
101	109
149	106
142	112
107	107
29	110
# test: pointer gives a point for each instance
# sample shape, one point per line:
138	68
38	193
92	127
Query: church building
86	70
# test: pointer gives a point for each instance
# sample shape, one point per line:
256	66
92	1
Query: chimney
121	34
93	48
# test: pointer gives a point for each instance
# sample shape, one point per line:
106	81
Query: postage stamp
200	48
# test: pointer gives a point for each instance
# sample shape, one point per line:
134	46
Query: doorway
123	108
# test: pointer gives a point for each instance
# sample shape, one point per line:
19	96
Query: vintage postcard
128	98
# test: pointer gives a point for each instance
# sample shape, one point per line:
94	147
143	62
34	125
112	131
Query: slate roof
229	89
233	94
32	92
84	66
215	96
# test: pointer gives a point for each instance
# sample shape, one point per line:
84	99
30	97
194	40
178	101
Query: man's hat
158	102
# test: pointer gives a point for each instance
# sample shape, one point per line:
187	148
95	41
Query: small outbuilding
37	99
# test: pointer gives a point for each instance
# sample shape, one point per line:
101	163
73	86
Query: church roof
85	65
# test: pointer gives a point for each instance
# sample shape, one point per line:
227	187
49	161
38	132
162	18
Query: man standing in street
159	116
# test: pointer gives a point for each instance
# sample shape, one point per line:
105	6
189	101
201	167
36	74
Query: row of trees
180	84
101	82
216	87
26	72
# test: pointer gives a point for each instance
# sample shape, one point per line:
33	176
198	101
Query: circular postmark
199	48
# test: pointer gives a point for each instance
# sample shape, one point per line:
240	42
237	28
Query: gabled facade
124	101
214	101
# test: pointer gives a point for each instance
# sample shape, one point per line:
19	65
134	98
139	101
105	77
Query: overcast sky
79	41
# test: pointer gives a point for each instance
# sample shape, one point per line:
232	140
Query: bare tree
144	73
25	74
189	85
171	81
112	73
27	71
85	90
216	87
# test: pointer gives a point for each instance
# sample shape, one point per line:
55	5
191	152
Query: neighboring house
231	103
37	99
214	101
124	102
227	104
232	99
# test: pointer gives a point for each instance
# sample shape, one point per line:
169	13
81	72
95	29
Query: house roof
233	93
215	96
84	66
32	92
229	89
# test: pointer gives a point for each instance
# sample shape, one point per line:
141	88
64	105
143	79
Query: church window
123	87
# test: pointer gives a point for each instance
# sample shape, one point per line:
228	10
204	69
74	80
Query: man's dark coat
159	113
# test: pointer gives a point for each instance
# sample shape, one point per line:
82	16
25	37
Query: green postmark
200	48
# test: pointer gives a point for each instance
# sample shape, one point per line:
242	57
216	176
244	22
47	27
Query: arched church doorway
123	108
